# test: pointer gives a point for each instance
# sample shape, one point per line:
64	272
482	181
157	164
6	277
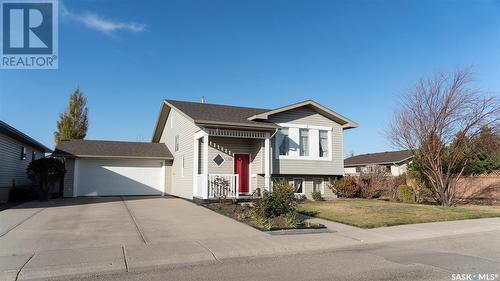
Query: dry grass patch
376	213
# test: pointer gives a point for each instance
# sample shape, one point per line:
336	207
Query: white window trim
303	185
312	155
322	184
223	160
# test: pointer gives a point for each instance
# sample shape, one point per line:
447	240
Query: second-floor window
176	143
285	142
323	143
304	142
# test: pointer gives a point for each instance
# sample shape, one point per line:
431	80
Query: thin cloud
96	22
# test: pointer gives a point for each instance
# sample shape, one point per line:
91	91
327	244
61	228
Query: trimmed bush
316	196
277	203
345	187
406	194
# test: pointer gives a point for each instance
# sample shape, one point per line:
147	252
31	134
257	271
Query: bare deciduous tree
437	120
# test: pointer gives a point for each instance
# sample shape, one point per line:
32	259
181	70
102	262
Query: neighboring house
200	145
394	162
17	150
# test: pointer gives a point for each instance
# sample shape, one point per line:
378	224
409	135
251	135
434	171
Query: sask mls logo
29	34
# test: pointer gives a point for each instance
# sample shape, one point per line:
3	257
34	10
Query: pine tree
73	123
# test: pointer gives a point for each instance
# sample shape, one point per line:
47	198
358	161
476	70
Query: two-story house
202	147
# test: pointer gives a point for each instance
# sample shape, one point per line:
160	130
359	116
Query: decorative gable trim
330	114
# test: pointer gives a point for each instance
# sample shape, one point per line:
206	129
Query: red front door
242	169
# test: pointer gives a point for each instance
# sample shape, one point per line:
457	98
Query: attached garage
106	177
111	168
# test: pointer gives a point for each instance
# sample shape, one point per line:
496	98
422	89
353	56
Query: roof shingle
378	158
206	113
96	148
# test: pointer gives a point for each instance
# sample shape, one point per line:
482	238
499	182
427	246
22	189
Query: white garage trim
116	177
75	178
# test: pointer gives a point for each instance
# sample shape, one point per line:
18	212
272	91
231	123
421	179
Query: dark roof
99	148
216	114
22	137
378	158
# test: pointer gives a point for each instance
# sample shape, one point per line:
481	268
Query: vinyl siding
307	116
12	168
182	182
227	147
69	177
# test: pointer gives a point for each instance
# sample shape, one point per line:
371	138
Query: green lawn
376	213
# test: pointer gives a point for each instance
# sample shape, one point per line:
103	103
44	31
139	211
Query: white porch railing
223	186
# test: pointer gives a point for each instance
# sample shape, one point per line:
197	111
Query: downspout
275	132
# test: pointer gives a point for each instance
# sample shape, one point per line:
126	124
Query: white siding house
17	150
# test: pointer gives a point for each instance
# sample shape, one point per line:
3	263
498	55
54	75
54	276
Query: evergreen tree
73	123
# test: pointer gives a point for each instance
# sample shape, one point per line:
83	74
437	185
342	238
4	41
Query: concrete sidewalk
136	257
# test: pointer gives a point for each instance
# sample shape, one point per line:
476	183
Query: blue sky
355	57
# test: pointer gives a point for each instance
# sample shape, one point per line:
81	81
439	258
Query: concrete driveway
108	221
82	236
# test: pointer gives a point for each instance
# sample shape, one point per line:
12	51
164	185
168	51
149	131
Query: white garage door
119	177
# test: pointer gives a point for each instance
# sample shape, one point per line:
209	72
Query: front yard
376	213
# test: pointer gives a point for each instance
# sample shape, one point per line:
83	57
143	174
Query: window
298	184
304	142
23	153
172	123
285	142
318	185
277	180
33	155
358	169
219	160
176	144
323	143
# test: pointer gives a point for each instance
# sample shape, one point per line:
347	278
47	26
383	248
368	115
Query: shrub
406	194
292	221
273	204
345	187
45	171
316	196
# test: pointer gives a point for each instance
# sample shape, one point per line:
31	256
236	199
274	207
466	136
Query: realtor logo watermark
29	34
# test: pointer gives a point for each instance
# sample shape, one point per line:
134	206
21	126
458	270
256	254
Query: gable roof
206	114
22	137
217	114
328	113
388	157
119	149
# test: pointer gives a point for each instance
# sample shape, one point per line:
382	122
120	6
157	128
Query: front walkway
94	235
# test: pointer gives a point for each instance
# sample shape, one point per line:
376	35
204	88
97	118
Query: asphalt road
430	259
